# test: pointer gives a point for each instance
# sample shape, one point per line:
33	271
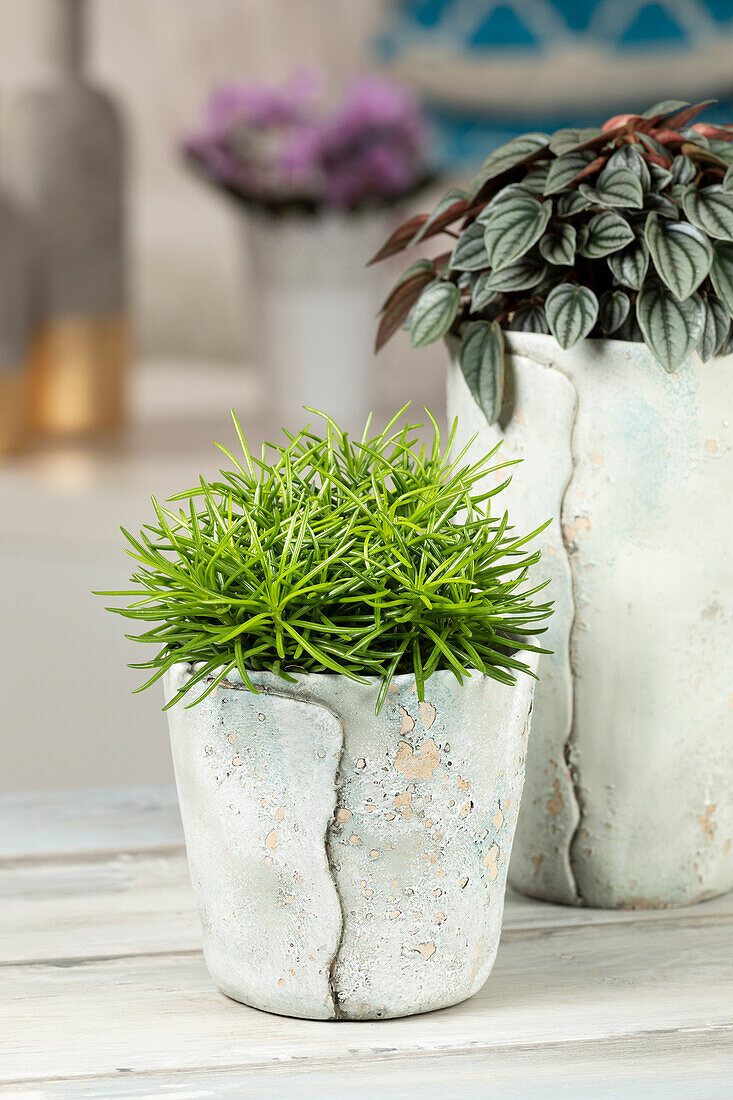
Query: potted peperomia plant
318	184
346	631
587	300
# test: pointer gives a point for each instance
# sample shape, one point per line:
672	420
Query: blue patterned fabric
526	30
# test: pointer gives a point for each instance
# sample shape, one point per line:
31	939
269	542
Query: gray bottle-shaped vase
63	163
17	322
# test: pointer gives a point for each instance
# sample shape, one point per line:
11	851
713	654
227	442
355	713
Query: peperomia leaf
571	310
607	232
452	203
671	328
573	139
628	157
434	312
710	209
682	254
529	318
721	273
558	245
665	107
563	170
715	329
525	272
661	204
660	177
513	228
728	179
470	252
536	177
683	170
571	202
403	297
630	264
481	295
515	152
614	308
618	186
482	363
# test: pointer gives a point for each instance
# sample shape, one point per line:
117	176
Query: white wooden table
104	993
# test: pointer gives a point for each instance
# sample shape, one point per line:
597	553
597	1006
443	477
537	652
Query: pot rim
234	679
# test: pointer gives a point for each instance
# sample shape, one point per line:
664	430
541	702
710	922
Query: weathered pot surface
629	794
349	866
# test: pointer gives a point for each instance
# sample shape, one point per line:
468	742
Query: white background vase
629	794
347	865
315	308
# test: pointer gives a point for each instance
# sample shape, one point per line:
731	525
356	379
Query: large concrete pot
629	797
349	866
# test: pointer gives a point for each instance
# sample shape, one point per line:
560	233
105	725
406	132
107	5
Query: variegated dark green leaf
507	194
470	253
661	204
571	311
482	363
434	312
571	202
525	272
607	232
629	266
665	107
722	149
452	198
628	157
513	228
614	309
618	186
728	180
518	151
682	254
683	170
715	330
660	177
671	328
530	319
563	170
711	209
571	138
481	295
558	245
721	273
536	178
630	330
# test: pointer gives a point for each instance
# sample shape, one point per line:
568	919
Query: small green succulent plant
367	559
625	231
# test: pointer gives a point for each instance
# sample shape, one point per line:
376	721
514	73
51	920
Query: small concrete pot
350	866
629	797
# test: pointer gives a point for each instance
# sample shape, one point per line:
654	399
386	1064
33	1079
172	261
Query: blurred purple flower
269	145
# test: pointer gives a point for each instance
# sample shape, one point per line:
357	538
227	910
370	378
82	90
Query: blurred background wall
160	58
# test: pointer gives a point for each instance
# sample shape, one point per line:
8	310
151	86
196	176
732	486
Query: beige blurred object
13	409
63	165
78	375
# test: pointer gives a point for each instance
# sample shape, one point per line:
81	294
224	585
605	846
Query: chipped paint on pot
347	865
629	793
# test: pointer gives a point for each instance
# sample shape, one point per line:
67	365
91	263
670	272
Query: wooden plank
684	1065
161	1013
56	824
128	904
